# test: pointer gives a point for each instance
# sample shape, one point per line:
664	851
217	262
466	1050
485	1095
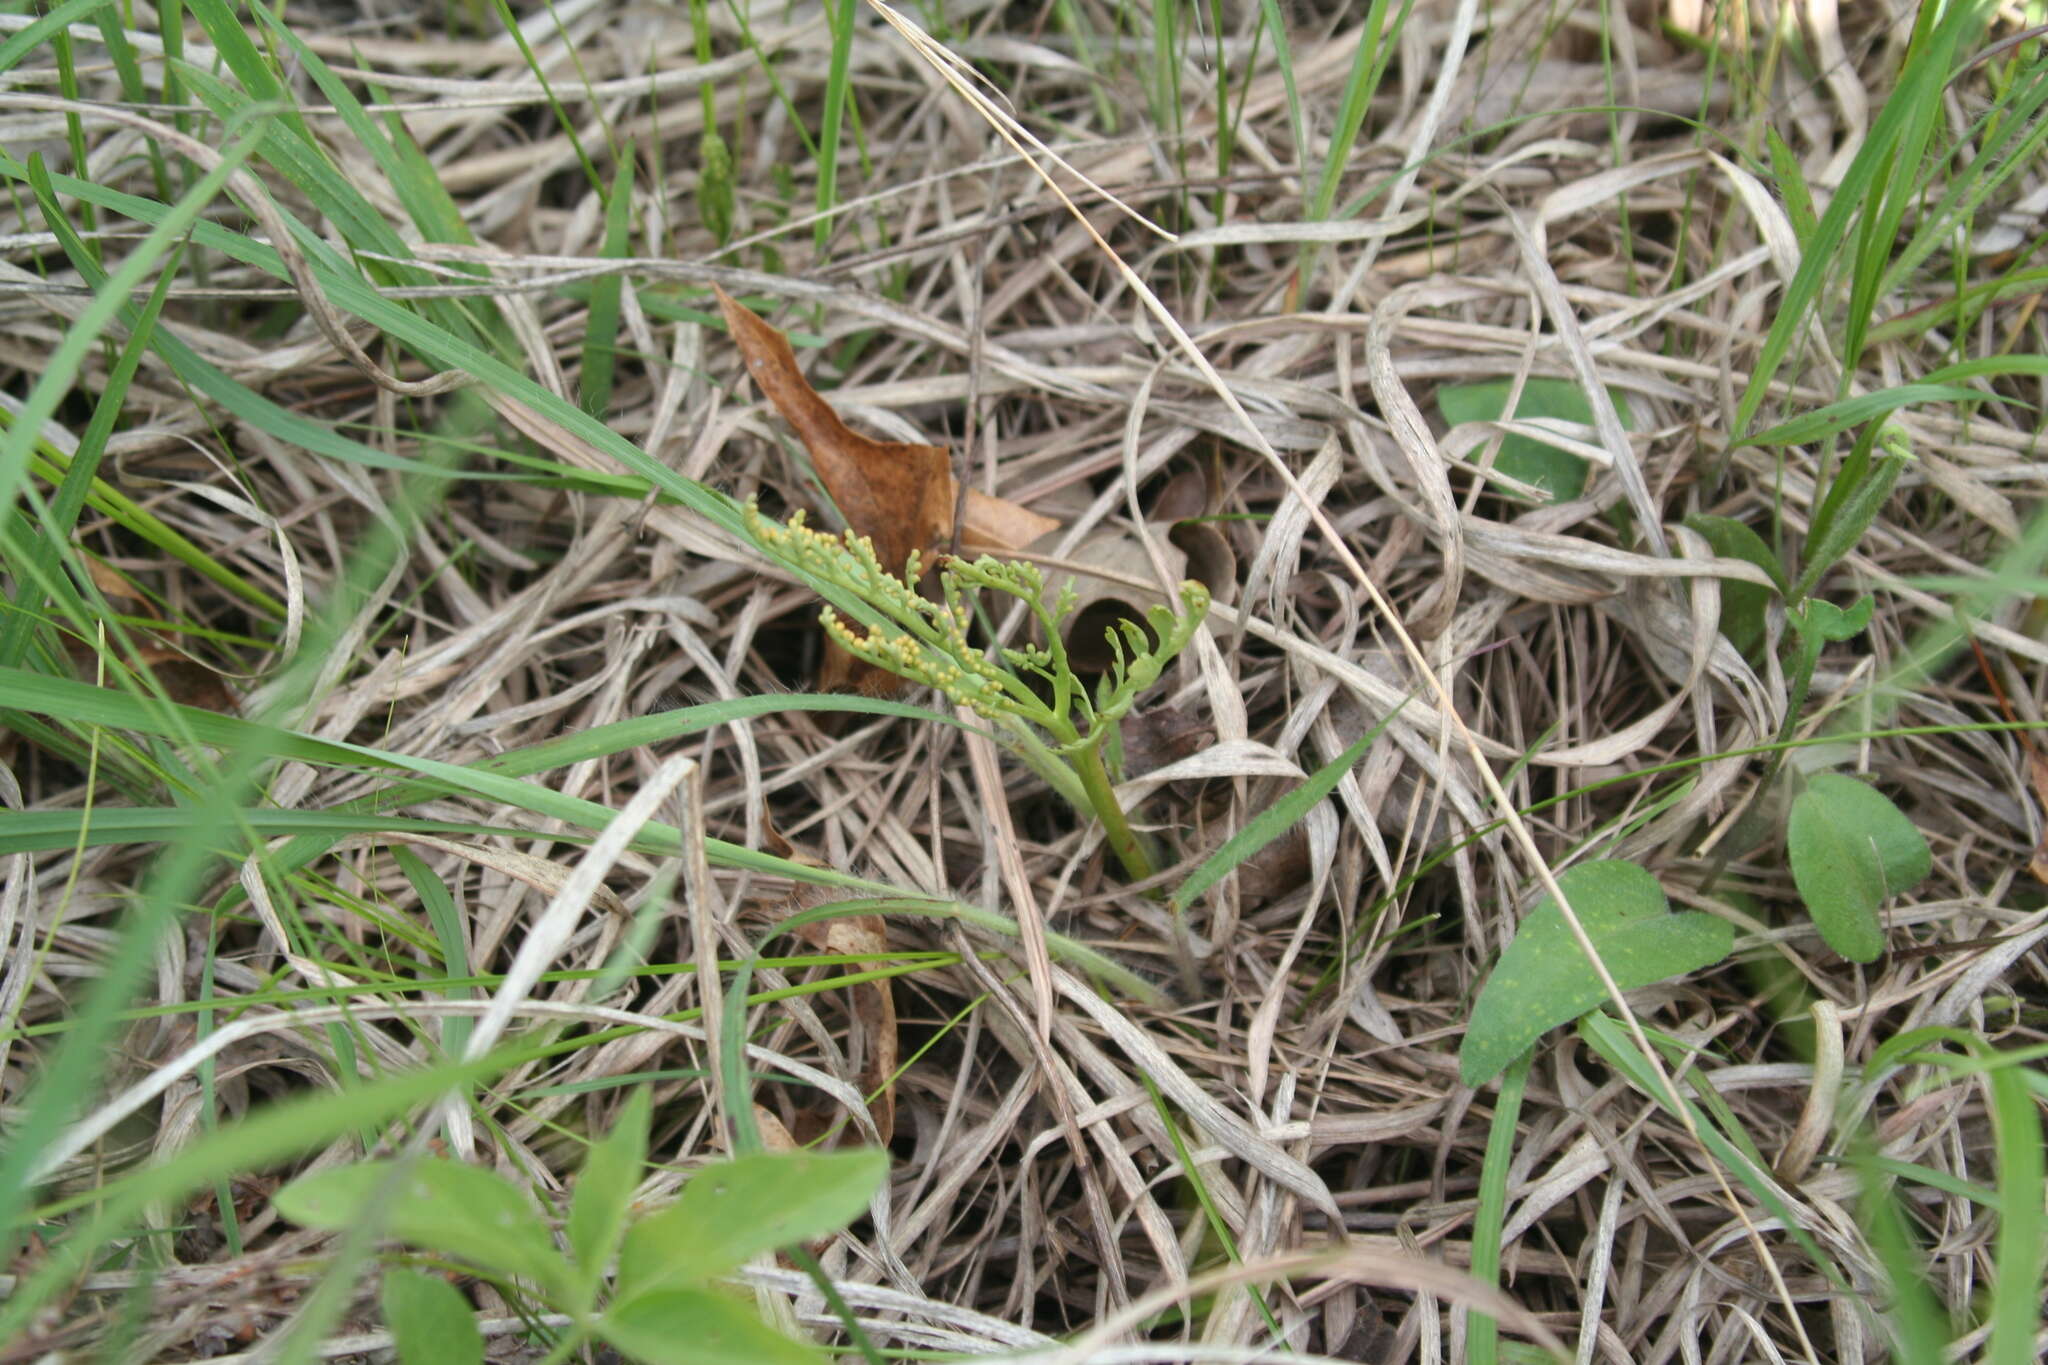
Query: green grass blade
235	47
568	126
2016	1310
1919	1327
43	28
107	302
601	328
418	189
1274	821
83	704
53	546
1482	1332
1612	1042
840	15
447	924
274	1133
1860	192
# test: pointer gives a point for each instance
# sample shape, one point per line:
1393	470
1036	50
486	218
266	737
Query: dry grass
1039	1190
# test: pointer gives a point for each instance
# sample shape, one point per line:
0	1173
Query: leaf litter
1037	1193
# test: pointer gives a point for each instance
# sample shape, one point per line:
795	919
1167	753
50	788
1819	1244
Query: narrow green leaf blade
1272	822
1822	423
2022	1174
601	328
1544	980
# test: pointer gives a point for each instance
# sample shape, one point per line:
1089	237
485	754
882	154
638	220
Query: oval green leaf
698	1327
732	1212
1742	604
1544	980
1522	458
1851	849
465	1211
430	1320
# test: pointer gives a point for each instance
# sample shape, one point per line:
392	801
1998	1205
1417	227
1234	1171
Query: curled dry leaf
898	494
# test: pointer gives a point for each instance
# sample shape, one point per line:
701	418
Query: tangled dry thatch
1163	347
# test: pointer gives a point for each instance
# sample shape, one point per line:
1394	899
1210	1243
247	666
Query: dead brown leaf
2037	763
899	495
873	1003
189	682
996	525
2037	773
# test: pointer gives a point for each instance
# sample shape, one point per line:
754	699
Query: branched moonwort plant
1046	714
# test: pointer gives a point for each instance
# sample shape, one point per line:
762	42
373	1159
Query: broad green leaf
732	1212
1851	849
604	1191
447	1206
1522	458
698	1327
1543	979
430	1320
1742	604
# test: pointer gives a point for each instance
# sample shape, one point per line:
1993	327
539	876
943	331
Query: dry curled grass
1308	1069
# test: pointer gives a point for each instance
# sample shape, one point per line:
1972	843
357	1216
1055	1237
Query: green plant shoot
1028	691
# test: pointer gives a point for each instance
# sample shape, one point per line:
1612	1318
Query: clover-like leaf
1826	621
1851	849
1543	979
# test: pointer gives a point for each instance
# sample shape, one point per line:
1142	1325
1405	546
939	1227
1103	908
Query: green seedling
642	1285
1046	714
1851	850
